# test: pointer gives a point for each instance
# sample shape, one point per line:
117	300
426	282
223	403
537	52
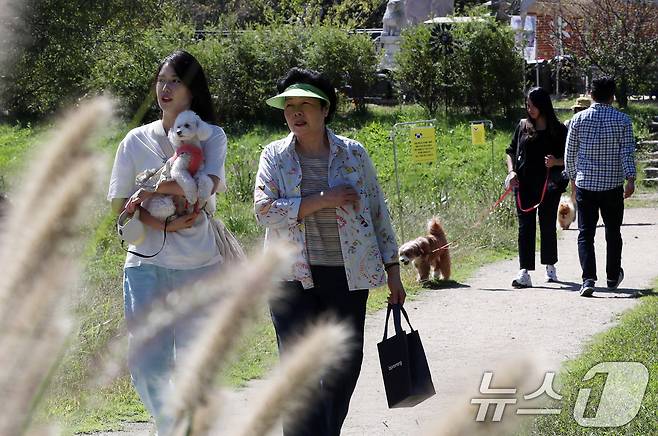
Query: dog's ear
204	130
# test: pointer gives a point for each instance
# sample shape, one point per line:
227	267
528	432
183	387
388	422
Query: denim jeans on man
151	365
611	205
329	296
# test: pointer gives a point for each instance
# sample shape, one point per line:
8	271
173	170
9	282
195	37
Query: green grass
634	339
458	188
639	111
14	145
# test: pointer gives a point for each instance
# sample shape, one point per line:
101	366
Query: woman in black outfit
535	158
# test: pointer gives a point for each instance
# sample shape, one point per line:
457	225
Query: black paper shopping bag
407	378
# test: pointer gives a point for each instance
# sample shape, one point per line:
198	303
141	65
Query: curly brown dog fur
566	212
426	252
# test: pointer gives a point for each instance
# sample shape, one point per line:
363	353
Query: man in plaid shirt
600	157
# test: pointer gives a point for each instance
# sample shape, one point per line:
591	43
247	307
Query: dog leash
497	203
541	199
164	239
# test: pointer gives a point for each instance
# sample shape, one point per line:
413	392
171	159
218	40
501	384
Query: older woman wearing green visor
319	191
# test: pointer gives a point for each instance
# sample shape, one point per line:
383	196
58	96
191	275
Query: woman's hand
511	181
331	198
340	196
136	200
182	222
551	161
396	293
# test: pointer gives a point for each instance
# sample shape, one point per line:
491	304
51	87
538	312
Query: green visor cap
296	90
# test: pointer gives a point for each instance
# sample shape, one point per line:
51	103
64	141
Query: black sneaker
587	289
614	284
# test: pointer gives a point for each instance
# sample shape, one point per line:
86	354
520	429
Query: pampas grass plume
58	179
290	389
196	372
39	273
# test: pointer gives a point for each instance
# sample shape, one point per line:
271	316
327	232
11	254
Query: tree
617	37
418	74
491	66
483	73
357	13
342	13
462	6
55	54
349	60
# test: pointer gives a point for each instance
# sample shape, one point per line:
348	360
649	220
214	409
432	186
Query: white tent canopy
451	20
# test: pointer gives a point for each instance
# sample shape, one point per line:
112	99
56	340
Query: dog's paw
160	206
205	185
191	195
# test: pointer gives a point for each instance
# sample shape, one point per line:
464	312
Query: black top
529	162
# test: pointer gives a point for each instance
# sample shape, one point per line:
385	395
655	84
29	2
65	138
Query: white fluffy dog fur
566	212
428	252
188	129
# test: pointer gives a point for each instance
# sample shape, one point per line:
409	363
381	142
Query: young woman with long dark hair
190	251
535	158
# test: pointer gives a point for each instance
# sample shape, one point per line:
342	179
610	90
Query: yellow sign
477	134
423	144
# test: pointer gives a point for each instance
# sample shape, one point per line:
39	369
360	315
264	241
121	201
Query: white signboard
525	36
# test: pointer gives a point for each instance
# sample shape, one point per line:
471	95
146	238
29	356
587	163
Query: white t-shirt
142	149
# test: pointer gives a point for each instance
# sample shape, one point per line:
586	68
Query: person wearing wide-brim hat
319	191
582	103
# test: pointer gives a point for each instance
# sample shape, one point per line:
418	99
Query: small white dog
185	166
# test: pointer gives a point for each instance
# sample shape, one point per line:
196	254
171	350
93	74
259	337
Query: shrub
417	73
491	64
243	68
349	60
480	74
127	60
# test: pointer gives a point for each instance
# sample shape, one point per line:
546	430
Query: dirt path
464	330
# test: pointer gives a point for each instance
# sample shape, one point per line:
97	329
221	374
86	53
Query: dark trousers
611	205
329	296
528	231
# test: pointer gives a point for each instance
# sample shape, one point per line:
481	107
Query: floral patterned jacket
366	236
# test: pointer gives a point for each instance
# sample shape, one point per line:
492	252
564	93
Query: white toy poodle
186	166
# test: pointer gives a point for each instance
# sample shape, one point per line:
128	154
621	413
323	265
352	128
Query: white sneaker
522	279
551	273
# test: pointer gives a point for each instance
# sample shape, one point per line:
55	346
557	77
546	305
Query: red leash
543	192
498	202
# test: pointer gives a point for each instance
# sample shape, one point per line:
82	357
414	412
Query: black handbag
557	180
407	378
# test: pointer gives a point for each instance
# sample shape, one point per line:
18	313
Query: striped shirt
321	227
600	150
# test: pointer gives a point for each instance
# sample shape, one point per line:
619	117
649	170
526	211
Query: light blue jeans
152	364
